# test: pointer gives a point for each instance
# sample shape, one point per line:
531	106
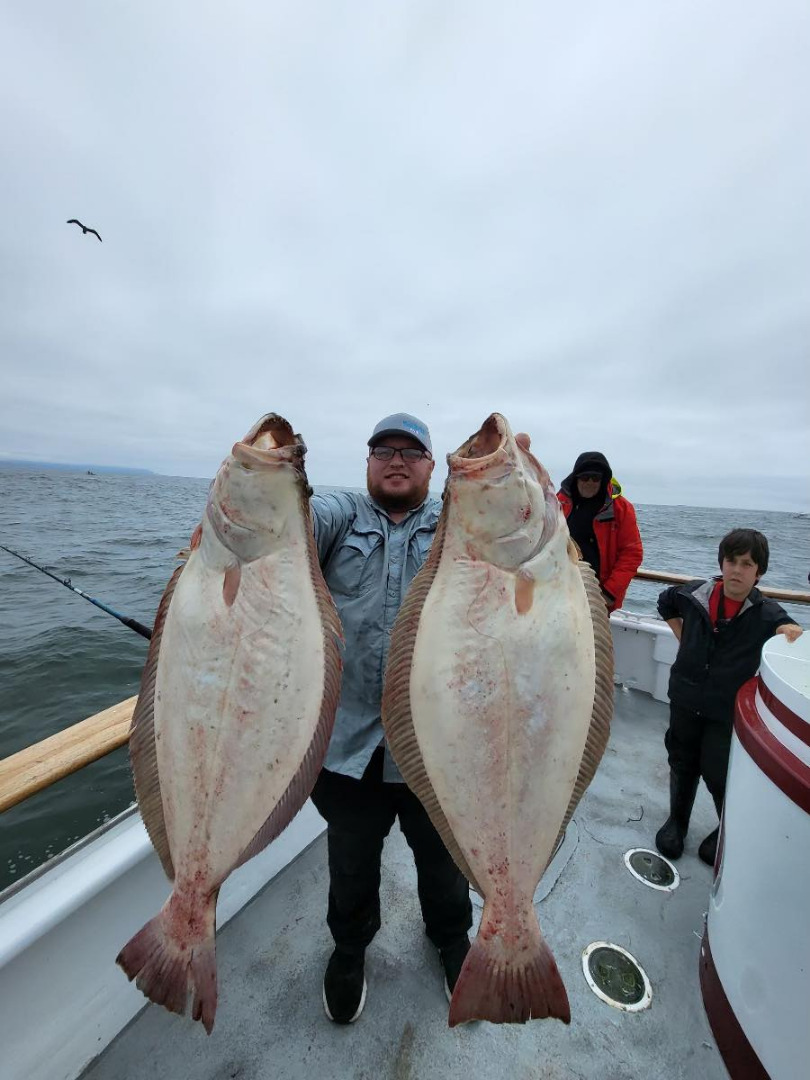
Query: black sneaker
344	986
452	959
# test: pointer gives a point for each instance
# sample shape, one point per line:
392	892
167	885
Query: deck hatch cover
652	870
616	977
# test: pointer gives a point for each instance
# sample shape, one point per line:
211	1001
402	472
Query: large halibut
236	707
497	706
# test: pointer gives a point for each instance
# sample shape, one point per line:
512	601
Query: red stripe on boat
738	1054
794	723
789	774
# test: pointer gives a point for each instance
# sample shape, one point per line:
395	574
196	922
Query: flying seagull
84	228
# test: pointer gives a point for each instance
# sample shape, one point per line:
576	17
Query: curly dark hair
745	542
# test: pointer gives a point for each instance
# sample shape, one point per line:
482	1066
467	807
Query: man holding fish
370	547
475	706
495	696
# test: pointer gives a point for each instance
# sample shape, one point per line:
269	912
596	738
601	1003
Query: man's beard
407	500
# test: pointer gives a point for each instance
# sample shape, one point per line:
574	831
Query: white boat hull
61	931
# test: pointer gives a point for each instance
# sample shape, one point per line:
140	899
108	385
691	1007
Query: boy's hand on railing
790	630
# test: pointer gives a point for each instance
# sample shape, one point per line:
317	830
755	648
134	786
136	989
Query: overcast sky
594	218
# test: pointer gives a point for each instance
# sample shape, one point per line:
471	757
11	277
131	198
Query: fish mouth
485	443
492	457
492	453
269	443
487	447
494	450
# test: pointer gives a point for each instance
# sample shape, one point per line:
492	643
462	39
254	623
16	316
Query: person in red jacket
603	524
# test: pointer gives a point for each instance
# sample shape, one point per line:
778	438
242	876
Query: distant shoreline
21	465
58	466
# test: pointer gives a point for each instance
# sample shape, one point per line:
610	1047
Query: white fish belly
501	705
237	701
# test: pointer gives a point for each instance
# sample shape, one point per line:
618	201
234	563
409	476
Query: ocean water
116	537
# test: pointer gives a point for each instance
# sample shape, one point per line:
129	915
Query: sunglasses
409	453
589	477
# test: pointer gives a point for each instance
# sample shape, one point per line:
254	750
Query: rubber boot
669	838
707	851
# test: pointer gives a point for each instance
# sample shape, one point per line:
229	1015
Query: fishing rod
133	624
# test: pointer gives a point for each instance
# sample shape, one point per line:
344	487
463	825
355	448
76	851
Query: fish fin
524	592
168	970
194	542
491	988
230	585
574	554
396	703
142	749
303	781
602	714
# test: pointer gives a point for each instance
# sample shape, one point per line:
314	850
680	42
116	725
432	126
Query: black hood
591	460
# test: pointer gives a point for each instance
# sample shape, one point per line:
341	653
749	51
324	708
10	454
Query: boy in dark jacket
721	625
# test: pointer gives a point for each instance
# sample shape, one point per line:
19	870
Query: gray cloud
592	220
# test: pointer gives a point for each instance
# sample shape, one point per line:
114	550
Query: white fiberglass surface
786	672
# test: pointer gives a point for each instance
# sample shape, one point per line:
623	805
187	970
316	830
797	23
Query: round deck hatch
616	977
652	869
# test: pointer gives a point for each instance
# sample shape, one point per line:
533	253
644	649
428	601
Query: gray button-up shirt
368	562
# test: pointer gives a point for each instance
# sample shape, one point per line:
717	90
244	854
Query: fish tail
174	955
508	987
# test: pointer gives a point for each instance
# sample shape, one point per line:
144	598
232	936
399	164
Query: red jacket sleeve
629	552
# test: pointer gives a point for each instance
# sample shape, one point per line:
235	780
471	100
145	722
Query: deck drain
652	870
616	977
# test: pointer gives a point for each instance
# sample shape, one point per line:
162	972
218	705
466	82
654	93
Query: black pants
359	815
699	745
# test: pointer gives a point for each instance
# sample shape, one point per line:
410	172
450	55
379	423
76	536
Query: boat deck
270	1020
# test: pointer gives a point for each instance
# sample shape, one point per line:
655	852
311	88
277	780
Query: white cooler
755	955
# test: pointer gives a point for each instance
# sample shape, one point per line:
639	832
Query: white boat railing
43	763
790	596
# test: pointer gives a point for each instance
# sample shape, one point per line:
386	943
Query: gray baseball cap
402	423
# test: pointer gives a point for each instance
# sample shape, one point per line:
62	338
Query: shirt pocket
419	550
355	566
